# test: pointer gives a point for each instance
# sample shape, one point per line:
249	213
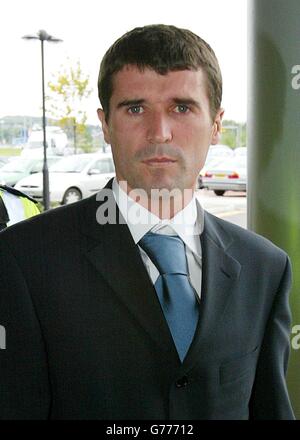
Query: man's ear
217	127
101	116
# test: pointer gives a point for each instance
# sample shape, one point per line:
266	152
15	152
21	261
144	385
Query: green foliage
68	92
234	134
7	151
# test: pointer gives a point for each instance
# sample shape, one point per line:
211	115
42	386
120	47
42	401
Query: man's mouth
163	160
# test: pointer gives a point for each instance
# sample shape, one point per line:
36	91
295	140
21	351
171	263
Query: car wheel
71	195
219	192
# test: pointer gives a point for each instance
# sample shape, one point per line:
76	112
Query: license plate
220	175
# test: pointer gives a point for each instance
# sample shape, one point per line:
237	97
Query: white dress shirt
188	224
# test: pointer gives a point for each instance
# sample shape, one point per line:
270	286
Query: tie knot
166	251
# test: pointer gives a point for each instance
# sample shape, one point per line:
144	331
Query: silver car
72	178
228	175
20	167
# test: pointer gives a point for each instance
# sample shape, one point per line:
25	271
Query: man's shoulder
238	238
58	221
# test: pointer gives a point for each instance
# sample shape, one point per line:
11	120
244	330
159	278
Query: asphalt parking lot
231	207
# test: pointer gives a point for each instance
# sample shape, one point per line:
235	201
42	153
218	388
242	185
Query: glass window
71	164
37	167
18	165
104	166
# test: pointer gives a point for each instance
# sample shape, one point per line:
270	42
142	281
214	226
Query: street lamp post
44	36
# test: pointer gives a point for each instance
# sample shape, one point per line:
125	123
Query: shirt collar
187	224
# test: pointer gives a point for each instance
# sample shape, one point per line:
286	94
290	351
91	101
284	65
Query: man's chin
156	183
161	185
164	188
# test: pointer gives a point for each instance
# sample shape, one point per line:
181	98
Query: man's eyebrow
187	101
130	102
177	100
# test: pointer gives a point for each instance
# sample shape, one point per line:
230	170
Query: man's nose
159	129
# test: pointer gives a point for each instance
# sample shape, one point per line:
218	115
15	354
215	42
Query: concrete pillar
274	143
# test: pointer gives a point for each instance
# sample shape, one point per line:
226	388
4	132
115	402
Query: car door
98	174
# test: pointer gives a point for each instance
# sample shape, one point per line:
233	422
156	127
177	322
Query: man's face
159	128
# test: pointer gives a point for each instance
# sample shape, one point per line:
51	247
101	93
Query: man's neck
163	203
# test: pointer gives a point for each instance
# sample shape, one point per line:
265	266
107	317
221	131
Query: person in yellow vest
15	206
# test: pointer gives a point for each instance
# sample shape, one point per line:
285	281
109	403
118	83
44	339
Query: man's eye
136	109
181	108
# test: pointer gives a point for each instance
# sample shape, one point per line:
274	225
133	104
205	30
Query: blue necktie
175	293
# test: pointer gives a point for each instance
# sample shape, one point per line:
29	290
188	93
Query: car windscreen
230	162
240	161
70	164
18	165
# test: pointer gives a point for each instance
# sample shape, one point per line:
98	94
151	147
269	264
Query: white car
20	167
216	154
72	178
240	151
219	150
228	175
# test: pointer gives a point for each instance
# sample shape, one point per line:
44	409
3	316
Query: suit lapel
220	273
116	257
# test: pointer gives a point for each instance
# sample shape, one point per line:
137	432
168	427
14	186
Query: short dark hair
162	48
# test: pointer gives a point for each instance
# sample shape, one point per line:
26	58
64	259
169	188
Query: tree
234	134
68	92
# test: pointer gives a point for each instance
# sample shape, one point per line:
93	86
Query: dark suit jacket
86	337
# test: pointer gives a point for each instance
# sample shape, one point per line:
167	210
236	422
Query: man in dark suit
135	303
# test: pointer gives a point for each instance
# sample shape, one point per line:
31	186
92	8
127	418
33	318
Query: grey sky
89	27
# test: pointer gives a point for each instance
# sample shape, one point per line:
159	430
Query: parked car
209	163
240	151
72	178
229	175
4	160
215	155
21	167
219	150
